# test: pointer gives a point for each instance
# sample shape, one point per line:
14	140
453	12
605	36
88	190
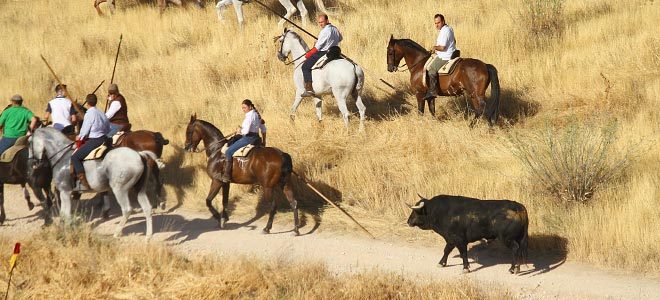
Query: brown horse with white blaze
265	166
470	77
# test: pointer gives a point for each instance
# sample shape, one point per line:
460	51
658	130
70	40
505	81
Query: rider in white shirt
445	47
250	128
328	38
60	109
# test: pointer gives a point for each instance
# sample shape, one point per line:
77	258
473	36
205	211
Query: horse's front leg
65	207
296	103
290	10
318	106
96	6
268	196
215	188
2	203
303	12
26	195
225	203
238	7
46	203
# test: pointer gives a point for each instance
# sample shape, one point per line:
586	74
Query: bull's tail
493	107
524	241
287	168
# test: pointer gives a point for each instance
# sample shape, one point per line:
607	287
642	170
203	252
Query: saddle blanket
447	69
9	154
117	137
241	152
320	63
97	153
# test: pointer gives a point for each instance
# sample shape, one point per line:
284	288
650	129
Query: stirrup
308	94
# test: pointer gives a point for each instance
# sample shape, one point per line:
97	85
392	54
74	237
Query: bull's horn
421	204
409	206
420	196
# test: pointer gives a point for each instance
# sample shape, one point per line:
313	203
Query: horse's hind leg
144	202
268	196
361	108
318	106
124	203
96	6
290	10
303	12
26	194
288	192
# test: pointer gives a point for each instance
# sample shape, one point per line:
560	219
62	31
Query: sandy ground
196	233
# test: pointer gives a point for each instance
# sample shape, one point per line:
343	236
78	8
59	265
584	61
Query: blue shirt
95	124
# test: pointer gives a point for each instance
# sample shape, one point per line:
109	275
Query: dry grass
58	264
603	67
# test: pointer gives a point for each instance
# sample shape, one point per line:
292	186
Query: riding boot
84	185
432	90
226	176
309	90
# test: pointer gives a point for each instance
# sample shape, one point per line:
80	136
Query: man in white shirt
444	48
61	111
328	37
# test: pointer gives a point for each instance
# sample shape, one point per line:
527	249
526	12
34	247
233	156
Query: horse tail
493	107
151	172
321	7
160	139
287	167
359	84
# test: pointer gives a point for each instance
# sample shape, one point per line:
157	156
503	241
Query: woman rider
249	130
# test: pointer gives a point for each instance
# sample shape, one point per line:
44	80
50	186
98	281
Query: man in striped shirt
93	133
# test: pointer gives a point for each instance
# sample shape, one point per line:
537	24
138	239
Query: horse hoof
296	232
265	231
466	270
441	265
30	205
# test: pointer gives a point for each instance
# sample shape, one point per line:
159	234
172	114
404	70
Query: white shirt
60	110
252	123
328	37
446	39
95	124
113	109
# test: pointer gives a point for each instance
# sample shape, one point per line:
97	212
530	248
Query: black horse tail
160	139
287	167
493	107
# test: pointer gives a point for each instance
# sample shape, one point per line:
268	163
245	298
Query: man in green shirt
14	123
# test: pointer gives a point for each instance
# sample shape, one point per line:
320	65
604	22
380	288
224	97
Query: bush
543	18
572	163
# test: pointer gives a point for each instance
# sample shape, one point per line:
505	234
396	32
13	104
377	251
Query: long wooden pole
332	203
66	91
114	67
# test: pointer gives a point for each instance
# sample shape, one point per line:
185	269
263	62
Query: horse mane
52	133
214	131
411	44
300	39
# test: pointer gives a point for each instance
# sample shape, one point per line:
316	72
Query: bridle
281	56
392	55
189	136
41	160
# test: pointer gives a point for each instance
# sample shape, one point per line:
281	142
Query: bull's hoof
265	231
466	270
222	223
30	205
442	264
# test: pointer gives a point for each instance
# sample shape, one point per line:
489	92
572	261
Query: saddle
446	69
241	152
97	153
9	154
118	137
333	53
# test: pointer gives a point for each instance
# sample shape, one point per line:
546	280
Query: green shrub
574	162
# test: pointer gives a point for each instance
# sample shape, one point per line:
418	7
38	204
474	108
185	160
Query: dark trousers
77	158
309	63
6	143
242	142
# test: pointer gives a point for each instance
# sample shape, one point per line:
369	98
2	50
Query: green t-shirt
14	121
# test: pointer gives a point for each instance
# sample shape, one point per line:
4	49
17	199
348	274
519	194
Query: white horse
121	170
339	77
288	5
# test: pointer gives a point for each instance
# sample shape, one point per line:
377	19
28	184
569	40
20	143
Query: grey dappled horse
121	170
340	77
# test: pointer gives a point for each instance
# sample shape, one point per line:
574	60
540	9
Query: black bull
462	220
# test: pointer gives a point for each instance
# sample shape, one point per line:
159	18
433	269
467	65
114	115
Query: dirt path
194	233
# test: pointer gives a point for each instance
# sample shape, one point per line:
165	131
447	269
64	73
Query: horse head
193	135
281	55
392	62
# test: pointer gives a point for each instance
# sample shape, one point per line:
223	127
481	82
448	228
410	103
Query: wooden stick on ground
333	204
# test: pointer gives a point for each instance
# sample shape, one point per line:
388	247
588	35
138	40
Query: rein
67	147
413	65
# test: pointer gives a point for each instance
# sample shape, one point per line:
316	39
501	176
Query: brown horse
161	5
470	77
143	140
266	166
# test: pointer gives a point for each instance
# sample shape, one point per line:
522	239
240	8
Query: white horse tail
359	84
151	174
321	7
